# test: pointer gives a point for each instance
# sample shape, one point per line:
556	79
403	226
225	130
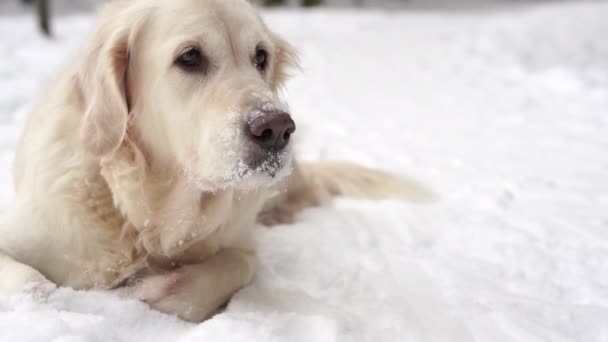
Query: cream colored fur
130	173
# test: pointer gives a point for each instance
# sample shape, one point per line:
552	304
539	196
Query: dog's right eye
191	59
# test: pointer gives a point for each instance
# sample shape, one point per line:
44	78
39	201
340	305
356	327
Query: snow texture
502	113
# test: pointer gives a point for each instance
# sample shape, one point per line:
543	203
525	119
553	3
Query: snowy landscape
501	111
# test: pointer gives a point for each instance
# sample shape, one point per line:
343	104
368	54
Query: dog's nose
272	130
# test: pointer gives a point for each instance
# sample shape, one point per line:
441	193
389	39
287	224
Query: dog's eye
191	59
261	59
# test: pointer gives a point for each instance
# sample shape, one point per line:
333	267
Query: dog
149	162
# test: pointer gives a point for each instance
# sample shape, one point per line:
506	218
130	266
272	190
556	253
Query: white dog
147	165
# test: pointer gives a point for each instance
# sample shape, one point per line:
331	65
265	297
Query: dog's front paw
281	214
40	291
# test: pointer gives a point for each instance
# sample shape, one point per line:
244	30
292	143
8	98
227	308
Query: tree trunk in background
273	2
42	7
309	3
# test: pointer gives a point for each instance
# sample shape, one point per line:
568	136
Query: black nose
271	130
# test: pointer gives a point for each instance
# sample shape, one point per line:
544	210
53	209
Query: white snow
504	114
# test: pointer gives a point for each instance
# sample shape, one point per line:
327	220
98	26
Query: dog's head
194	84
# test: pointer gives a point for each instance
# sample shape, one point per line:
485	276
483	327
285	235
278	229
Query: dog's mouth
269	163
257	169
252	172
264	166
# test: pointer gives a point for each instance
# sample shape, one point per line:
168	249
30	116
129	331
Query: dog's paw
277	215
40	291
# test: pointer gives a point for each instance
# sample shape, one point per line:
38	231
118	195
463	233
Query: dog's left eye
261	59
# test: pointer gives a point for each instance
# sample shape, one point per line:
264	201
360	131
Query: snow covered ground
504	114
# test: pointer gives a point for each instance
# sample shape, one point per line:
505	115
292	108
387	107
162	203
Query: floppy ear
103	81
286	59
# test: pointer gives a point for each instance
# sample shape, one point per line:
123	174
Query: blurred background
44	8
500	107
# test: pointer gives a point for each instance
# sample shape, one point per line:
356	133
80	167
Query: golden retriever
147	165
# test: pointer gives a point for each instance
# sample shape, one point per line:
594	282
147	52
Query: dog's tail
314	184
350	180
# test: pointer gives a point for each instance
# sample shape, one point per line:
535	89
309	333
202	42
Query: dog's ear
103	78
286	60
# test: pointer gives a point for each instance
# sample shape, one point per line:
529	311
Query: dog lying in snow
147	165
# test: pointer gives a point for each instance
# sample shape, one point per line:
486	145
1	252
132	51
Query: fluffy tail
345	179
